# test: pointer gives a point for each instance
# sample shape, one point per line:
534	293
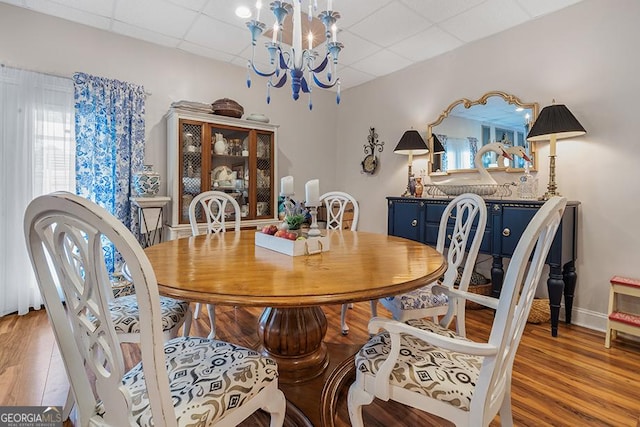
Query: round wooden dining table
229	269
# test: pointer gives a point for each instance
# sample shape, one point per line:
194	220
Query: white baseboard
592	320
586	318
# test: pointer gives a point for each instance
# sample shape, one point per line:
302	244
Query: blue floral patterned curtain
473	145
109	122
443	140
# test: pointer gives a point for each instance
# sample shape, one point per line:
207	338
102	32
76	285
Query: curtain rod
51	74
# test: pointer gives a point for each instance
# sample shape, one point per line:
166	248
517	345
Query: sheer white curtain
38	151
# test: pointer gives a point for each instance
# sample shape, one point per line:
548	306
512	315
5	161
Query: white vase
220	146
147	182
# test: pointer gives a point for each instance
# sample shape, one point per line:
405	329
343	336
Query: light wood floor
571	380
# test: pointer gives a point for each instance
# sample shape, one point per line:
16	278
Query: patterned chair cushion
207	379
476	278
444	375
124	313
416	299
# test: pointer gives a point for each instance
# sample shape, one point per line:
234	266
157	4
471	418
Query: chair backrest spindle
214	206
336	203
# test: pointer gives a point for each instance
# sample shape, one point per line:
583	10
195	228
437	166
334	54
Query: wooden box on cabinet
210	152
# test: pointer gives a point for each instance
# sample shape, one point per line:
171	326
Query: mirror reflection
466	126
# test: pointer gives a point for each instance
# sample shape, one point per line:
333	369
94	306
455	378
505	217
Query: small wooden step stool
618	320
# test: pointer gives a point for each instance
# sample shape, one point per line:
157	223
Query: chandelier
297	62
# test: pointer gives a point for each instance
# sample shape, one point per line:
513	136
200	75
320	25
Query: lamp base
546	196
552	186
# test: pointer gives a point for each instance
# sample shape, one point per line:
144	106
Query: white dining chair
463	220
336	203
213	205
432	369
124	312
185	381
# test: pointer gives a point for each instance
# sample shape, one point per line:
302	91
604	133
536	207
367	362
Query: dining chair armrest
484	300
487	301
460	345
395	328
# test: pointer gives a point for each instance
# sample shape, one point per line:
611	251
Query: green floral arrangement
294	221
295	214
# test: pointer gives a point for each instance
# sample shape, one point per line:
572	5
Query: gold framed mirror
466	125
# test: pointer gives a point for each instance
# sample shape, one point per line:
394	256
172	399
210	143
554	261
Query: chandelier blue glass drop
298	61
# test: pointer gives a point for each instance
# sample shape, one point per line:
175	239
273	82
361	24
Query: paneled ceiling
379	36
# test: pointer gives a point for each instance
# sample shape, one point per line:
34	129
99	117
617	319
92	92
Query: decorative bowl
227	107
257	117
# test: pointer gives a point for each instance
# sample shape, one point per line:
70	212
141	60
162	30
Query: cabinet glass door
230	166
191	165
264	177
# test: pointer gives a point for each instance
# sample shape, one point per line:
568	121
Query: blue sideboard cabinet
419	219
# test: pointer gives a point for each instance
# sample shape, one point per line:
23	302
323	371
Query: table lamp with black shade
554	122
437	145
411	143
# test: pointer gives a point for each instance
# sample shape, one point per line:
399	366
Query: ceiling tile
537	8
142	34
156	15
69	13
355	48
98	7
218	35
438	10
196	5
488	18
381	63
426	44
352	11
390	24
225	10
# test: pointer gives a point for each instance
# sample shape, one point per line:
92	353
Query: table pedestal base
294	338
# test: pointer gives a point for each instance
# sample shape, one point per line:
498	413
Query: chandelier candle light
298	61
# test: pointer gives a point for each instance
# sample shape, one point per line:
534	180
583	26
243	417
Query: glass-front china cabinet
210	152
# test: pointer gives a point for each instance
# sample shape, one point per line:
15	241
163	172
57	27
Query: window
38	152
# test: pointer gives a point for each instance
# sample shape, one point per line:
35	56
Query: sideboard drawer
406	219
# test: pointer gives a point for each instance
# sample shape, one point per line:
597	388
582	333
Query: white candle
310	40
258	7
297	35
275	32
334	31
329	5
312	190
286	185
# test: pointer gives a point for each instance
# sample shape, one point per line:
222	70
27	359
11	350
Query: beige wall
583	56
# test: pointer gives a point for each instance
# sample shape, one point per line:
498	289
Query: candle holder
313	228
